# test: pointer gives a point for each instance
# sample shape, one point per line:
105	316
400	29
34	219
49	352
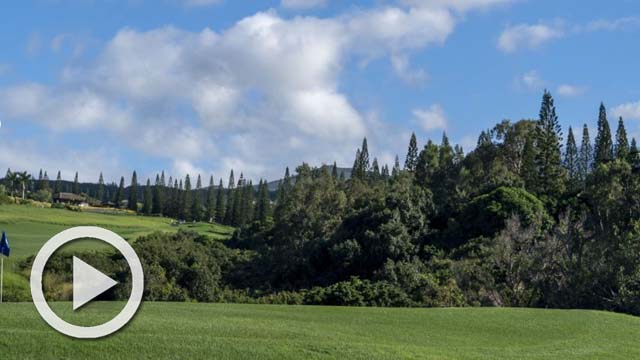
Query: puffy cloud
530	80
432	118
257	96
302	4
630	110
570	90
403	69
31	156
524	36
60	111
396	29
532	36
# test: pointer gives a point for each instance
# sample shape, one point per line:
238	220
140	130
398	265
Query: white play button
88	283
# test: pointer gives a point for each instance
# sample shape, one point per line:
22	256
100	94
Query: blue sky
203	86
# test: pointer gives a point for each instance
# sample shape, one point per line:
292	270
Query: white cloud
396	29
246	97
302	4
610	24
524	36
78	109
432	118
403	69
570	90
630	111
532	36
28	155
530	80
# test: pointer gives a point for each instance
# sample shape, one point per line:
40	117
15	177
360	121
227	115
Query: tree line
237	204
528	218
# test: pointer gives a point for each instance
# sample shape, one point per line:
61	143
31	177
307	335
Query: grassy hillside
170	330
29	227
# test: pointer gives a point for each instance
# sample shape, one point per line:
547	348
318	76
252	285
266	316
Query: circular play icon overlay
87	282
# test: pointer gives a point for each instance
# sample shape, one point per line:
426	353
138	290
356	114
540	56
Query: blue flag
4	245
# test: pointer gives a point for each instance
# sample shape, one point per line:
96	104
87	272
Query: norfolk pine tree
148	199
76	185
57	186
133	193
211	201
100	192
196	208
411	160
603	150
551	174
571	161
220	205
158	193
585	158
118	197
622	144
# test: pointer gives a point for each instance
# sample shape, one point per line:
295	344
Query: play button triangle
88	283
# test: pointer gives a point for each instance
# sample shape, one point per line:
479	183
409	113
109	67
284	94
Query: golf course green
231	331
225	331
28	227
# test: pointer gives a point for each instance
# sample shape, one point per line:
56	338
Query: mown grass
224	331
30	227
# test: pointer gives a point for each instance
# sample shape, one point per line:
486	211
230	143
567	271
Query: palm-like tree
12	180
23	178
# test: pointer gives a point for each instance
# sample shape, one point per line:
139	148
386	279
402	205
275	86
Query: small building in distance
70	198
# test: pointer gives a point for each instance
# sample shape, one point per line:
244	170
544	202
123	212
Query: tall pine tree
396	166
220	205
571	160
229	212
57	186
361	163
604	145
550	182
196	207
187	199
158	196
622	144
585	158
148	199
100	191
210	214
375	170
76	185
118	197
263	205
412	155
133	193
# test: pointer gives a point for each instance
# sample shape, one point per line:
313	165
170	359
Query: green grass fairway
29	227
220	331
